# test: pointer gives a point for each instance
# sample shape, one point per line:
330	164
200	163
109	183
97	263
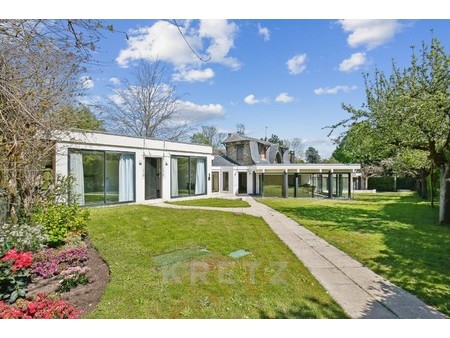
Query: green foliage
209	135
276	140
312	155
61	220
408	183
382	183
14	274
23	237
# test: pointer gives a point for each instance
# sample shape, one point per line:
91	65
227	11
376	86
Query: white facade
142	150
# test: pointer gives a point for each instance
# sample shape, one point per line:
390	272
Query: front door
152	178
242	183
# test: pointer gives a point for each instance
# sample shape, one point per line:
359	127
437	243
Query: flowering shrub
59	220
22	237
72	277
42	307
51	262
14	274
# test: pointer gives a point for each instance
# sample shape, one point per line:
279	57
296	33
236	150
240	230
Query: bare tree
40	64
296	145
148	106
209	135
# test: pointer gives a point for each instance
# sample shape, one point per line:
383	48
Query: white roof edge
108	139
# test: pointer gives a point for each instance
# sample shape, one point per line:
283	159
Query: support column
296	185
254	182
261	184
330	184
341	185
350	180
285	185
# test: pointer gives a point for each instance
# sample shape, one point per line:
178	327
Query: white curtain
174	176
126	182
77	172
200	177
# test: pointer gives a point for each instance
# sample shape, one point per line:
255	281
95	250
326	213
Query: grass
132	239
395	234
214	202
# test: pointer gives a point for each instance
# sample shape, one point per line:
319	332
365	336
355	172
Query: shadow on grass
416	247
308	308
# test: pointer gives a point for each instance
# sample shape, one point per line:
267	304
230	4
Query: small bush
60	220
14	274
51	262
72	277
23	237
41	307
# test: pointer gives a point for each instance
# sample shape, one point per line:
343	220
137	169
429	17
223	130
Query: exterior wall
231	152
230	170
142	148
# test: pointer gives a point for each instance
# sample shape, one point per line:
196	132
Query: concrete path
358	290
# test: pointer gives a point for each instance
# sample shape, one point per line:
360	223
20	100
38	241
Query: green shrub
409	183
23	237
382	183
61	220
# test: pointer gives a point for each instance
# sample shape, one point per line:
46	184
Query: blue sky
290	76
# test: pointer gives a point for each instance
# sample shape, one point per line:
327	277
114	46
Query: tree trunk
423	184
444	209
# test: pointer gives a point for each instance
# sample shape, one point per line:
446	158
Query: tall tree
41	62
82	118
312	155
209	135
275	139
148	105
410	109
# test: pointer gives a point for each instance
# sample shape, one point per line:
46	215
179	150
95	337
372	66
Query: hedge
382	183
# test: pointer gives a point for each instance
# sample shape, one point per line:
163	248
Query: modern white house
111	169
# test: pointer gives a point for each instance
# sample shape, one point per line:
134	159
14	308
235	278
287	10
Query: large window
188	176
102	177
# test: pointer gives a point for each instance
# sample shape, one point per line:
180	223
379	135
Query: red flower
21	260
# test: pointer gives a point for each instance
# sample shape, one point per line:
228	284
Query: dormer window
263	154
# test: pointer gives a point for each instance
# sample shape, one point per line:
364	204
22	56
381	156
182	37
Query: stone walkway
358	290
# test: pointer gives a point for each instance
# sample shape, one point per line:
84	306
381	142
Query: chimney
292	156
229	134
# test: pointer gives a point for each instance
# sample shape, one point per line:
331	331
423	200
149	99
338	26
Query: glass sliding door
188	176
94	177
102	177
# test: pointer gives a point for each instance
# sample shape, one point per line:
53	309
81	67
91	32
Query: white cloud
354	62
192	112
211	39
251	99
369	33
284	98
87	82
114	80
264	32
297	64
194	75
334	90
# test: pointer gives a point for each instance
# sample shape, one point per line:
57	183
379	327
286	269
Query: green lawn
395	234
129	238
214	202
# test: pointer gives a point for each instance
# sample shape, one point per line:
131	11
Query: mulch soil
84	297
